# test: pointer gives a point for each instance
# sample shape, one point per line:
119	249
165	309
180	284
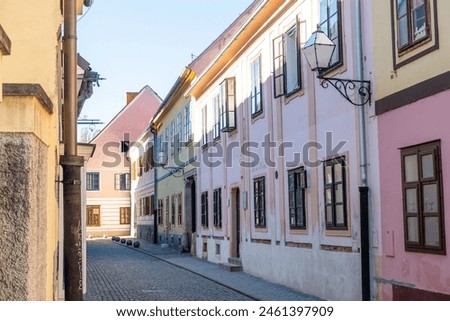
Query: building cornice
178	89
263	17
25	90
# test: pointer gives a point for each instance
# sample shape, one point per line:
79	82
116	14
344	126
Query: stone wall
23	217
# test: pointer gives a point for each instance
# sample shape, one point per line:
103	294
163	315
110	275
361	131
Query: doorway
236	218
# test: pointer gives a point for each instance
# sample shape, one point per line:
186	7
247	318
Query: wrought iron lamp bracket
350	89
175	171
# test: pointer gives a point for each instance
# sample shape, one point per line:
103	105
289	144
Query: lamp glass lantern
318	50
161	159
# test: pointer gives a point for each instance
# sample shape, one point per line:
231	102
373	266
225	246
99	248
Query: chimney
131	96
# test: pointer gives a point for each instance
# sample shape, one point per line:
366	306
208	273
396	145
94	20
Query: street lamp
318	51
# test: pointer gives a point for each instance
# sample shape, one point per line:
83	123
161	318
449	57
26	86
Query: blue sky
134	43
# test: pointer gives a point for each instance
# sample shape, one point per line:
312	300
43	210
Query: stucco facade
142	187
412	95
173	123
31	81
109	170
308	254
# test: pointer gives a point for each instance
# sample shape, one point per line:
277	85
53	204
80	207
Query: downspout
71	163
155	185
364	187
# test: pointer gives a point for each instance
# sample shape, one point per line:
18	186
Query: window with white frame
93	181
187	123
179	132
172	138
123	182
256	106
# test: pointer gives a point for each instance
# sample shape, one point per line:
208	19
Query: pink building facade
108	173
412	95
415	254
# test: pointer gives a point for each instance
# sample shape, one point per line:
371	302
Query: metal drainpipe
364	188
71	163
155	186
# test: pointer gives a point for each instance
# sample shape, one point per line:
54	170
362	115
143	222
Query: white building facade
279	156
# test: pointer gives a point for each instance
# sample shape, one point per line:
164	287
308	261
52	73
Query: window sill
298	231
262	241
339	233
414	47
261	229
426	251
293	92
257	116
292	95
232	133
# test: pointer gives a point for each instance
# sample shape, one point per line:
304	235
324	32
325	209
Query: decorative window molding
297	190
217	207
423	208
204	209
204	126
415	31
93	181
125	215
331	25
187	124
259	201
122	181
256	105
335	192
287	62
93	215
228	105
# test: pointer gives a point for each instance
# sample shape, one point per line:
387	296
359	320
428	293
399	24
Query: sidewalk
249	285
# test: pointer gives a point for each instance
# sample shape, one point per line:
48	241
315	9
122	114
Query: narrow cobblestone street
116	272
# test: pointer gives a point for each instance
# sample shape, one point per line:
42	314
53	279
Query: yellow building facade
175	180
30	119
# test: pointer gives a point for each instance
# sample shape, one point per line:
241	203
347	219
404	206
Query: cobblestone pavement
152	273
